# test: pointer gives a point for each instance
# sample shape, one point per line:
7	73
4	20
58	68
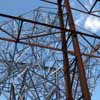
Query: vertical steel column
12	93
83	80
65	54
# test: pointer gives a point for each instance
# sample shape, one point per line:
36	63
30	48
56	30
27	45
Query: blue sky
96	93
17	7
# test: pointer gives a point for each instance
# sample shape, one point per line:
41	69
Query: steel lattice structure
46	55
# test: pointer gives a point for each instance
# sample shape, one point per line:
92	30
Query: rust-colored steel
49	47
65	55
83	80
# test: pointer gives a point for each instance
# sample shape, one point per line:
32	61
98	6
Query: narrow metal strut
83	80
65	54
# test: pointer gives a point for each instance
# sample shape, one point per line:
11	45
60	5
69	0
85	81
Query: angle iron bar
47	47
47	25
93	6
28	20
82	76
82	4
68	87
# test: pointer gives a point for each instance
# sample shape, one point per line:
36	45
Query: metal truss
45	55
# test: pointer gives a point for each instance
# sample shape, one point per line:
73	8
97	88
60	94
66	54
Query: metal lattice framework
45	55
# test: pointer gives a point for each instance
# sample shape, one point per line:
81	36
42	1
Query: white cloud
92	23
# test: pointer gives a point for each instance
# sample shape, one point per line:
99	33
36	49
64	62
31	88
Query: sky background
17	7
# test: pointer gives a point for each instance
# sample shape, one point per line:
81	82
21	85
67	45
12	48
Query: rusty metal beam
48	47
83	80
65	54
30	44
